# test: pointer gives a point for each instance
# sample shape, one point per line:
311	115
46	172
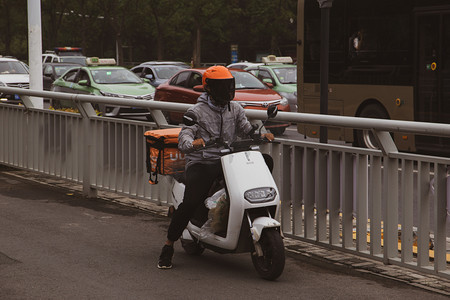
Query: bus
388	59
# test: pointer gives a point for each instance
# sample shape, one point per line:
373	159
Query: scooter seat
180	177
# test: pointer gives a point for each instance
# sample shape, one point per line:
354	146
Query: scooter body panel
260	223
243	171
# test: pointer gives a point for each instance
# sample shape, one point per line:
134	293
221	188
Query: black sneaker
165	259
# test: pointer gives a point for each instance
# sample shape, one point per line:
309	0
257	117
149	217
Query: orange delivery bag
163	156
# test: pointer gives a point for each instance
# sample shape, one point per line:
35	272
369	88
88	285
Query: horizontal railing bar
421	128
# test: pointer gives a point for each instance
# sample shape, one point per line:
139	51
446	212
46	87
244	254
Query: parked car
13	73
102	77
157	73
281	73
172	63
186	87
52	71
242	65
64	54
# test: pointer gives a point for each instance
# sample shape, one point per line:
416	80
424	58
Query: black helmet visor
221	90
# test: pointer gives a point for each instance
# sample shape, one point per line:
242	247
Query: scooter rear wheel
271	264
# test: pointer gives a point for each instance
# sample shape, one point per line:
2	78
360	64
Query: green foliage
155	29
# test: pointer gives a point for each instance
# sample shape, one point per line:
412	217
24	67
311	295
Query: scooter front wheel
271	264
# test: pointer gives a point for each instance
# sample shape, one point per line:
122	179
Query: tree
52	14
13	25
163	12
201	30
205	15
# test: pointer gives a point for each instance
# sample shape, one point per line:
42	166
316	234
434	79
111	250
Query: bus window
388	59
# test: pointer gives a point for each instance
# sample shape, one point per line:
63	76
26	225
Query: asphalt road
55	244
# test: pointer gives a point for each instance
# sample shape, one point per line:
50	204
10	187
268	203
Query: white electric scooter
253	202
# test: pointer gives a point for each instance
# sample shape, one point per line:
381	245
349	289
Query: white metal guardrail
357	200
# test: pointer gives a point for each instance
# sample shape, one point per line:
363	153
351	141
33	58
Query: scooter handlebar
236	146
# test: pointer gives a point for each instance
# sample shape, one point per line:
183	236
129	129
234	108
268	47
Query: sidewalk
325	257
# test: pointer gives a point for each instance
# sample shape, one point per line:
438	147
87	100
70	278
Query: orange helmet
219	83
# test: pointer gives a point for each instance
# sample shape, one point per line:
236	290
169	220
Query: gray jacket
221	123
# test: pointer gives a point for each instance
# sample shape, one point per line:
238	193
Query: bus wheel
365	138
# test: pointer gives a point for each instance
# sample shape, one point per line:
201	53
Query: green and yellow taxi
102	77
281	74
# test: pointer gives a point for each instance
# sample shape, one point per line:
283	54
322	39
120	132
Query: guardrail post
27	102
385	142
347	199
390	224
362	197
423	190
87	111
440	217
158	117
321	187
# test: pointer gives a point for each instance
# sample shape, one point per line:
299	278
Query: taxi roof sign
280	59
95	61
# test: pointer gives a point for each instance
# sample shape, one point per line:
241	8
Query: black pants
199	179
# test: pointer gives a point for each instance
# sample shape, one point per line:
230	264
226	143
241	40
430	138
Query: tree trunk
7	34
196	57
119	49
160	45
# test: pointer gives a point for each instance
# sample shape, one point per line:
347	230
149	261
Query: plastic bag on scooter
211	202
219	207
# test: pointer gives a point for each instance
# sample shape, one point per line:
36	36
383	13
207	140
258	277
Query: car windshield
165	72
74	59
59	70
114	76
12	67
245	80
286	75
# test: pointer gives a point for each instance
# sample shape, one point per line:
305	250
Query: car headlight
284	101
260	195
106	94
2	84
289	96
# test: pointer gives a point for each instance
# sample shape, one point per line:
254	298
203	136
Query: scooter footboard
259	224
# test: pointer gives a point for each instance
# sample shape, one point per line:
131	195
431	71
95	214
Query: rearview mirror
268	80
189	118
83	82
272	111
199	88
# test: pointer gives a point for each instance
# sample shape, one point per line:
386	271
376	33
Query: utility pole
35	49
325	7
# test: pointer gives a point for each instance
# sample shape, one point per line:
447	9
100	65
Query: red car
186	87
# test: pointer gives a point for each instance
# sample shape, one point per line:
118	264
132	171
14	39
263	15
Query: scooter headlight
260	195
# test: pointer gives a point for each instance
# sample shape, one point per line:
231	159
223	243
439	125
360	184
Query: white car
13	73
65	55
242	65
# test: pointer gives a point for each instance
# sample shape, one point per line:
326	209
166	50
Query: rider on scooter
220	119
